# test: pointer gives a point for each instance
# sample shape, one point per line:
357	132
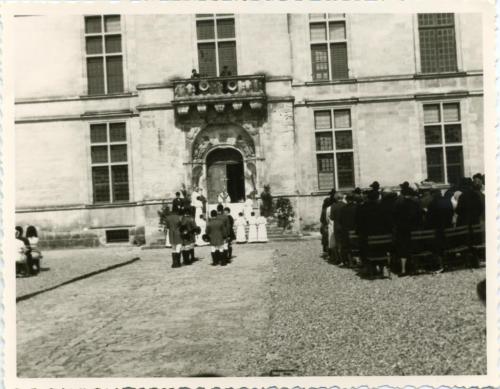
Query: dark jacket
335	210
216	231
368	217
187	230
439	214
177	204
232	236
173	225
470	208
225	223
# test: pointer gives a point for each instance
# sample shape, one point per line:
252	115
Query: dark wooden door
216	181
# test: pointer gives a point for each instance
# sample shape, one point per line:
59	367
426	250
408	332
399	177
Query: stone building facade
109	122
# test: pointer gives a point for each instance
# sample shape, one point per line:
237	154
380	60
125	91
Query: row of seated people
28	253
412	221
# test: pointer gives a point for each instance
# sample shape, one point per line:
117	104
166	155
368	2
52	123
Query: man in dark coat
335	210
225	222
347	219
470	207
172	223
216	233
188	230
368	222
231	236
408	217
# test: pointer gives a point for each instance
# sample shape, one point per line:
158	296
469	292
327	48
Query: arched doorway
225	171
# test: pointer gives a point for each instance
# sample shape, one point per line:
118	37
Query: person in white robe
240	224
198	206
223	198
201	222
252	229
248	208
261	229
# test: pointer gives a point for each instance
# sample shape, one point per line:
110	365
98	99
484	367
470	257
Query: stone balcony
219	94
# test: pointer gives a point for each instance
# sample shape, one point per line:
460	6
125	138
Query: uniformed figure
188	231
216	232
231	235
226	223
173	226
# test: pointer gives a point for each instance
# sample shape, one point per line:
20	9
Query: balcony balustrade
219	93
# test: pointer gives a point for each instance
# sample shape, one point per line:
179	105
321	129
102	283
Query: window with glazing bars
108	153
327	33
438	52
216	45
103	47
443	142
334	148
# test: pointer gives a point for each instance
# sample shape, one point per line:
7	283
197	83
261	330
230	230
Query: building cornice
90	115
59	99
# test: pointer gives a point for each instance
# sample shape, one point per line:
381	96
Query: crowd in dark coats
379	212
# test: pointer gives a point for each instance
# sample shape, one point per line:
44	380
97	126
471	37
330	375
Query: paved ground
277	306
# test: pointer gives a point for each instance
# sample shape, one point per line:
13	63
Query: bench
378	252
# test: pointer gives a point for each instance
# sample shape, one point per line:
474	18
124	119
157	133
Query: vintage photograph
249	194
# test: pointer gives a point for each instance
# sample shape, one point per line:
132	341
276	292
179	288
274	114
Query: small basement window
117	236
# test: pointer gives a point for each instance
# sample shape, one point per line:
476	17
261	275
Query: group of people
28	254
257	230
379	211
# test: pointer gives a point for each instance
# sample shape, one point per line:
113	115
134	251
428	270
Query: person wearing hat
177	203
375	187
172	223
188	230
347	219
334	214
324	221
368	222
216	233
407	218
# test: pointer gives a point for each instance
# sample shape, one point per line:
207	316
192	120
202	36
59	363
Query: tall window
334	148
103	45
109	162
216	44
443	142
328	46
437	43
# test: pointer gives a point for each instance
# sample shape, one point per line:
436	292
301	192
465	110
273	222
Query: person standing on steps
174	234
215	233
252	229
240	224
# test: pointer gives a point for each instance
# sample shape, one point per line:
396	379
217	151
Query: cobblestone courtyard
277	306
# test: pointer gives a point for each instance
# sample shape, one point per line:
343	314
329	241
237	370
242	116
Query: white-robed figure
261	229
223	198
331	235
248	208
201	222
240	224
252	229
198	206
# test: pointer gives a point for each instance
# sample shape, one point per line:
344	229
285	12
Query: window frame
443	145
334	151
109	164
104	55
458	51
216	40
328	42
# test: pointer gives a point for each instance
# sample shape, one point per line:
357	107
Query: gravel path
327	321
279	306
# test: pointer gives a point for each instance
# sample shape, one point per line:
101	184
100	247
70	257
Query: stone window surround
443	145
123	53
352	113
90	196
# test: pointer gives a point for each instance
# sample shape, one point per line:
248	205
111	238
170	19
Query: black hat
375	185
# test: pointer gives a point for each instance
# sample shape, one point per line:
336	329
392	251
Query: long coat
216	231
173	225
226	225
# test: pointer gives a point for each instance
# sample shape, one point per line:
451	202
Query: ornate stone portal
232	149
